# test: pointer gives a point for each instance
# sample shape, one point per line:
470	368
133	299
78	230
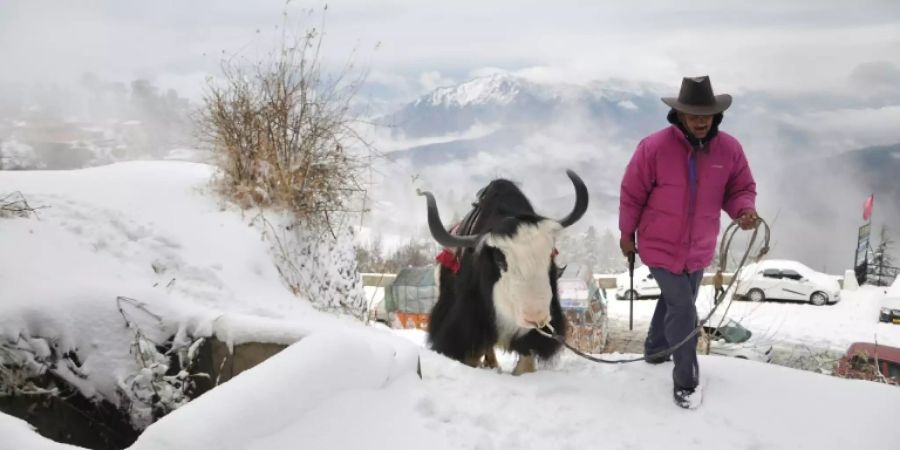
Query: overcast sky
778	45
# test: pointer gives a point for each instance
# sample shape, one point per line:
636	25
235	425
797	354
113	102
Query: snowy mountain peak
500	89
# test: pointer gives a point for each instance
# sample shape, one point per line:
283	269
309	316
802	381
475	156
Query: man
674	188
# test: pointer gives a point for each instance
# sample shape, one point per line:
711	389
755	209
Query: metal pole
631	293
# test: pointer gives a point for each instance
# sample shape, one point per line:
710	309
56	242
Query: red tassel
448	259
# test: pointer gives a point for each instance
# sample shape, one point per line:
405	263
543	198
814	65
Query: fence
881	275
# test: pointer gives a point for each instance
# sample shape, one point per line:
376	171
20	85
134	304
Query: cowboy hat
696	97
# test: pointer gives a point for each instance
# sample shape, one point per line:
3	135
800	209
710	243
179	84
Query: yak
502	287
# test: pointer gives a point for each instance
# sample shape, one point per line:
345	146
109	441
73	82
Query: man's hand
748	220
627	246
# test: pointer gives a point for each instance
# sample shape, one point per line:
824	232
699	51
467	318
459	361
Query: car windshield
573	293
733	332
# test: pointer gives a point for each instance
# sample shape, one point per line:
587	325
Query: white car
644	285
787	280
732	339
889	309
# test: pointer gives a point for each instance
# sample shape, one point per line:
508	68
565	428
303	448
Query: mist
96	81
806	158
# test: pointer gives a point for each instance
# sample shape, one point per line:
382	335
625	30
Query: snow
148	231
497	89
828	327
334	392
153	232
306	396
894	290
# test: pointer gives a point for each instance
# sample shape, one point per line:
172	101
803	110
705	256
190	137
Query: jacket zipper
693	182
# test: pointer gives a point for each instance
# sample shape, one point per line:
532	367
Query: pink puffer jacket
672	231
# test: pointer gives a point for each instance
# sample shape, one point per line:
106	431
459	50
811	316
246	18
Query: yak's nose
536	317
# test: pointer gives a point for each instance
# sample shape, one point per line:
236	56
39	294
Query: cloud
487	71
766	44
845	129
876	78
433	79
627	105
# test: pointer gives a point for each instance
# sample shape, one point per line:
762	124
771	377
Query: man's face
698	126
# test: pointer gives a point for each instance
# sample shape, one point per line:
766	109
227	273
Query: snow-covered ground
155	233
573	405
834	327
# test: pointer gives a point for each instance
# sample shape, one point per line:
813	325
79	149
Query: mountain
810	186
539	130
509	99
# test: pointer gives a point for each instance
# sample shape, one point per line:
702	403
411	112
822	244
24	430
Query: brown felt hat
696	97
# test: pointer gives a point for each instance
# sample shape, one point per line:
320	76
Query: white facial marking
522	295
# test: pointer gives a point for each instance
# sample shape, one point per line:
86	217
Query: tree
370	258
611	259
882	258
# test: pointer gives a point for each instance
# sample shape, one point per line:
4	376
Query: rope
724	247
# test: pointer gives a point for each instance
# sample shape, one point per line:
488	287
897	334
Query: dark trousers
675	318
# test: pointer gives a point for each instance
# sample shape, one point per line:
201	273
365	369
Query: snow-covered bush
14	205
157	388
281	130
321	269
18	156
22	362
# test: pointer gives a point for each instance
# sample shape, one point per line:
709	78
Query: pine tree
591	248
882	258
611	257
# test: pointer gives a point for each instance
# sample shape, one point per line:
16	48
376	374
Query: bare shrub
282	131
15	205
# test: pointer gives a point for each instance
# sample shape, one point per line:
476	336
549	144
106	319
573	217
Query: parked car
732	339
584	305
860	362
890	311
787	280
644	285
890	305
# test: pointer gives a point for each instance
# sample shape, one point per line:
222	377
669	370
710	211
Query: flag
867	207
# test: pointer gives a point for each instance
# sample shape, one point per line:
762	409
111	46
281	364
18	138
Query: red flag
867	207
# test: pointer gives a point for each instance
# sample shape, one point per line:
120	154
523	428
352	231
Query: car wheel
818	298
629	294
756	295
